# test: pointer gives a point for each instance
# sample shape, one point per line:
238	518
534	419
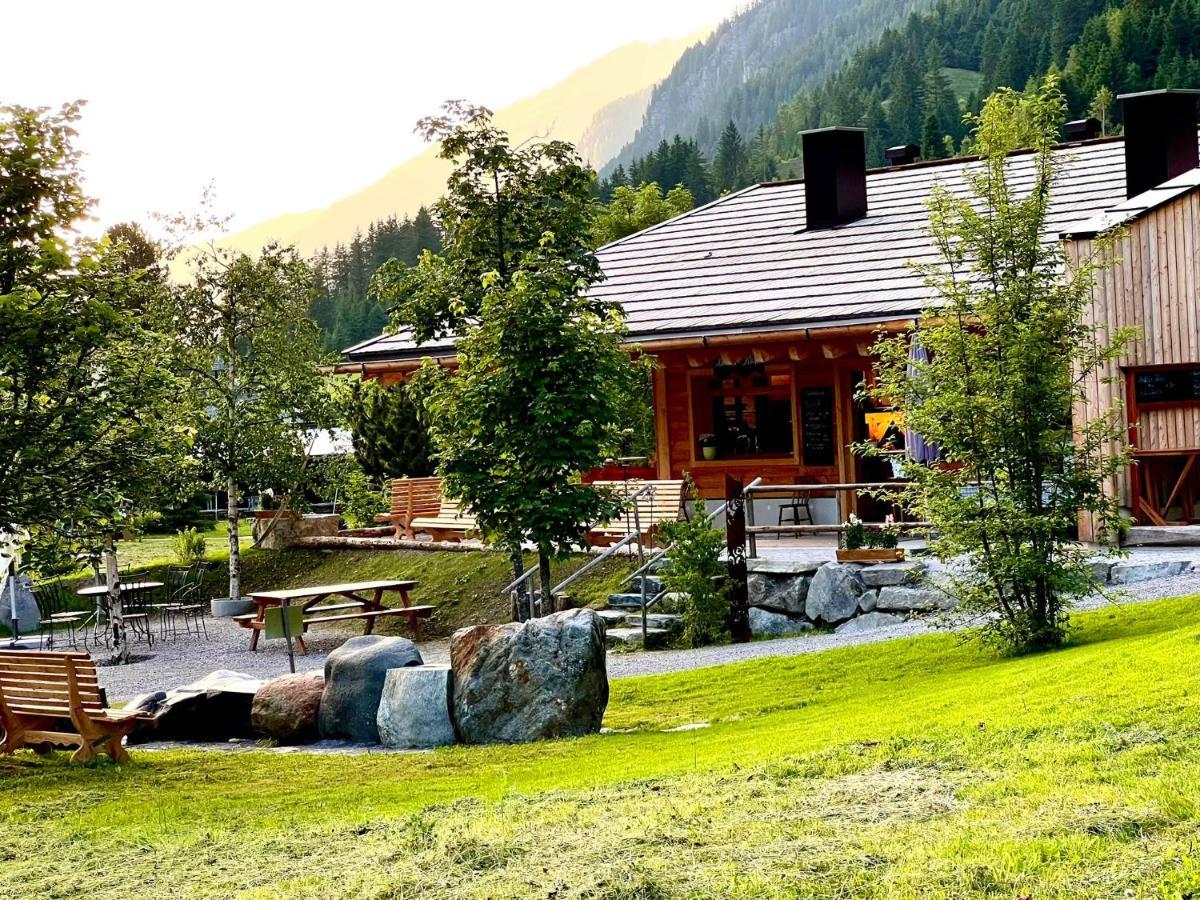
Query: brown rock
286	709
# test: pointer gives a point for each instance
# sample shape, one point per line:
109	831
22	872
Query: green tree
731	164
632	210
389	440
249	357
1009	350
499	202
535	401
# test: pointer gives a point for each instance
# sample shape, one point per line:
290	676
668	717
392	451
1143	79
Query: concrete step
632	637
665	621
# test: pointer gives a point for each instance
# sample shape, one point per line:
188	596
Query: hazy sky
289	106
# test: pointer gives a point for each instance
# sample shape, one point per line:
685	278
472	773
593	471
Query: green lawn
923	767
155	549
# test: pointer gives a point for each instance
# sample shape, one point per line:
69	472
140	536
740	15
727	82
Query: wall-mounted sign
1167	386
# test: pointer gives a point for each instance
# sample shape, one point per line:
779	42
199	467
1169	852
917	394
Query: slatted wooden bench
665	504
41	691
412	498
450	524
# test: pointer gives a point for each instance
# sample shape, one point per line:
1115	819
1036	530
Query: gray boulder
354	676
287	708
1101	569
834	593
782	565
783	593
912	599
769	624
28	615
889	574
1133	572
545	678
868	601
215	708
414	710
872	621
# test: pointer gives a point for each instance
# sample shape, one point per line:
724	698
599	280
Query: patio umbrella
919	450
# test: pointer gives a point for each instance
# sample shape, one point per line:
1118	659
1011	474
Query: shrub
362	499
188	547
697	573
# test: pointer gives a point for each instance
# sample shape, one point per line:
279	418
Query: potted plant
708	446
862	545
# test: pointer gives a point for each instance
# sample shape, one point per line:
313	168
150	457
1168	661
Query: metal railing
839	490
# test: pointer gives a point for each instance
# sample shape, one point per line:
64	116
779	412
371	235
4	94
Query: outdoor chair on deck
795	507
55	614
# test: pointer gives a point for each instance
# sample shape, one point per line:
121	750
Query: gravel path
170	665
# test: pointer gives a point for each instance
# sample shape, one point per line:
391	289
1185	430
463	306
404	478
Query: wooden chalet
762	307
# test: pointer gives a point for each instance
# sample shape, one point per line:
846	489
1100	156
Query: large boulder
286	708
520	682
414	711
769	624
215	708
872	621
782	593
834	593
889	574
354	676
912	599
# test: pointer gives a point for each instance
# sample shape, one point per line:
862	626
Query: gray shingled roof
746	263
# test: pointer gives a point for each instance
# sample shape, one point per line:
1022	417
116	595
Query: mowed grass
923	767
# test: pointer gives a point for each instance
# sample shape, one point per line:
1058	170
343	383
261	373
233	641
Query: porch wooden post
735	543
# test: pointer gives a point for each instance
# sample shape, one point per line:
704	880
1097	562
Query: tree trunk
547	584
116	616
235	559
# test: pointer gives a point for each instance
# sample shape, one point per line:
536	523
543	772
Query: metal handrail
592	563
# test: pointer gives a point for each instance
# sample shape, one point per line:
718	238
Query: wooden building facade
762	308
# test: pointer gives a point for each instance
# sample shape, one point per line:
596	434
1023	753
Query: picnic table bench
41	691
363	600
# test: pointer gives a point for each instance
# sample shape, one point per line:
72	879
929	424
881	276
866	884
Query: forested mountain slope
754	62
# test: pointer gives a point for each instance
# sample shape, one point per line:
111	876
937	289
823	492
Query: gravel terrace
179	663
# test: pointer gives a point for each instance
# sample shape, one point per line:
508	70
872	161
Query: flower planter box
878	555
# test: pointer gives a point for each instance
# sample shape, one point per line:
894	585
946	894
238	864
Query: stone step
612	618
665	621
654	585
626	601
632	637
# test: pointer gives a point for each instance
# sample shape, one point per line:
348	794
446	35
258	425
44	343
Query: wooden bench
40	692
450	523
665	504
412	498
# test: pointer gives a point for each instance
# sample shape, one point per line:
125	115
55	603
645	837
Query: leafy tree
249	356
534	402
389	440
632	210
500	200
1009	350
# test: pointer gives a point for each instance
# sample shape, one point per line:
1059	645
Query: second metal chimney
1160	137
835	176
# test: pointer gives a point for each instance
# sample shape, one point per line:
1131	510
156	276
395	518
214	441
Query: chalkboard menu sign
816	424
1167	386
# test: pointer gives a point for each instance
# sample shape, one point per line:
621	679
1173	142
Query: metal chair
799	504
54	613
136	608
191	606
179	590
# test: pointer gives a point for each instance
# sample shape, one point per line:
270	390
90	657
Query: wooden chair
411	498
665	504
55	614
41	692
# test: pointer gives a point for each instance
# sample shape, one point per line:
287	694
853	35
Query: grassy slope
466	587
919	767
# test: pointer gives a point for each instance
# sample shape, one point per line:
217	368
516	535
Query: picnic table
361	600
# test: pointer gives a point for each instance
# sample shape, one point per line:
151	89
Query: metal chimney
902	155
1082	130
835	176
1160	137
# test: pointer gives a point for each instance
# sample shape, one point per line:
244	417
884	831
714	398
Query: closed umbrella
919	450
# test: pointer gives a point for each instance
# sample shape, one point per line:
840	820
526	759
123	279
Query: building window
743	411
